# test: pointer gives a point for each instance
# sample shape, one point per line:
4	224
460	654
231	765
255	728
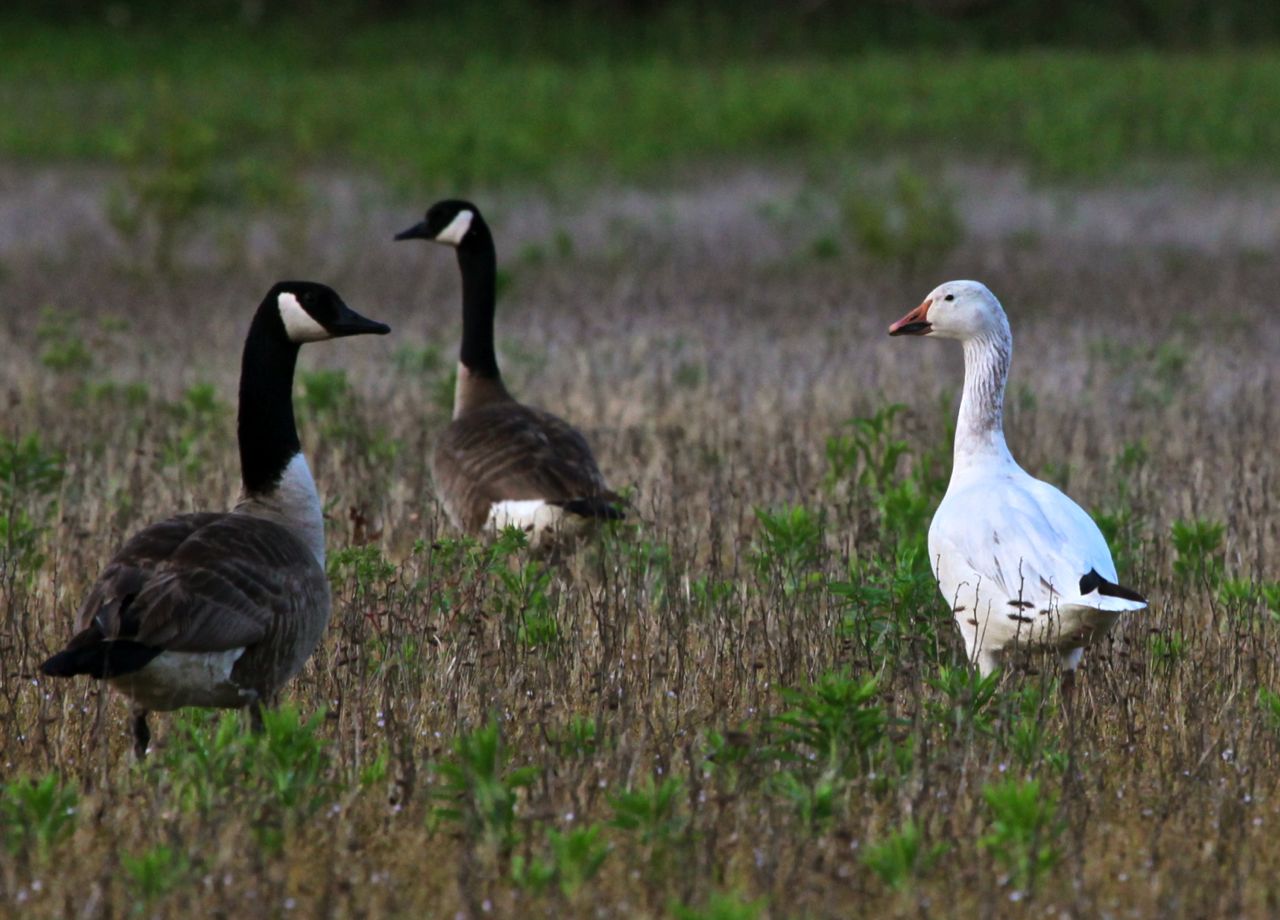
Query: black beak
416	232
352	323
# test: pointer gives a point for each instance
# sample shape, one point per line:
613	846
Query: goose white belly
536	517
989	620
1009	552
172	680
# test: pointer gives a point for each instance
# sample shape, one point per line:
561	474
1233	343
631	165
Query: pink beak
914	323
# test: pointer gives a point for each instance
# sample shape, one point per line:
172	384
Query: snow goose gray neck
221	609
1019	562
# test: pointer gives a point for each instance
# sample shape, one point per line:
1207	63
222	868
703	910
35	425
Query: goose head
313	312
955	310
452	222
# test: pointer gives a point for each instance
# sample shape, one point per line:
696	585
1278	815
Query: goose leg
141	734
1070	661
255	717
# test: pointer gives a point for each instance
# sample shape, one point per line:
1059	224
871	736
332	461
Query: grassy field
428	110
750	701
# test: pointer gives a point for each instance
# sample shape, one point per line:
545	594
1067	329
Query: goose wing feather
1015	539
511	453
203	583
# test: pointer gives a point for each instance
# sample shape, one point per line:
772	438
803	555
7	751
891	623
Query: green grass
379	100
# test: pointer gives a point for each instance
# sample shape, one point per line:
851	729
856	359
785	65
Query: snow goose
1019	562
501	463
221	609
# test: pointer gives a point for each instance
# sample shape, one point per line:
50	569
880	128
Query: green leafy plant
176	170
902	856
198	415
480	788
652	810
892	604
325	392
206	760
835	725
651	814
37	814
580	737
913	221
1024	829
1199	551
1028	738
721	905
789	545
526	604
1168	649
291	760
30	476
154	873
965	706
870	449
574	858
61	347
811	797
1269	703
280	772
364	568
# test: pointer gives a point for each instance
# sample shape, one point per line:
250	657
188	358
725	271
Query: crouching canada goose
222	609
1019	562
500	463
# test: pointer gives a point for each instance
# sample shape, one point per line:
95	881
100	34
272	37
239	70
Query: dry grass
709	380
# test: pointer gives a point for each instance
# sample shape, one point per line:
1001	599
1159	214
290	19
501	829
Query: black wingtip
1092	581
602	509
100	660
62	664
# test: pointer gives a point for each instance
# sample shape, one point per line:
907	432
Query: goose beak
352	323
914	323
416	232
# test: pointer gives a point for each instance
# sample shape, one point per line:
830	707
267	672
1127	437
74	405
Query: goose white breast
1019	562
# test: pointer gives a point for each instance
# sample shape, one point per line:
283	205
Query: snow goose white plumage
1019	562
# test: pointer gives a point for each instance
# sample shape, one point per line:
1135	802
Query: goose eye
950	297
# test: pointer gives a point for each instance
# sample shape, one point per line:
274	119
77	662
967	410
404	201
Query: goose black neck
478	262
267	431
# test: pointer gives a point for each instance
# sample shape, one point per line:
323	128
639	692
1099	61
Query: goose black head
452	222
313	312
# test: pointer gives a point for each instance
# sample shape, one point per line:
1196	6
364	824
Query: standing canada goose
500	463
222	609
1018	561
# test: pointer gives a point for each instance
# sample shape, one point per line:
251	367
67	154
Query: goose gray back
221	609
501	463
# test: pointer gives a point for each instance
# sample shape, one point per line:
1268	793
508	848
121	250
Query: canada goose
221	609
1018	561
500	463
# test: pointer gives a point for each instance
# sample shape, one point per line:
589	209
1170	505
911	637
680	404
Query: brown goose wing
220	586
512	452
131	568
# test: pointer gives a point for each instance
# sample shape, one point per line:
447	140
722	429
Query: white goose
1019	562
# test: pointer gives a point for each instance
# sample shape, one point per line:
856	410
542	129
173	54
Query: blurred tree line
735	26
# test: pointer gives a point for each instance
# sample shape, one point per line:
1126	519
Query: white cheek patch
298	323
457	228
